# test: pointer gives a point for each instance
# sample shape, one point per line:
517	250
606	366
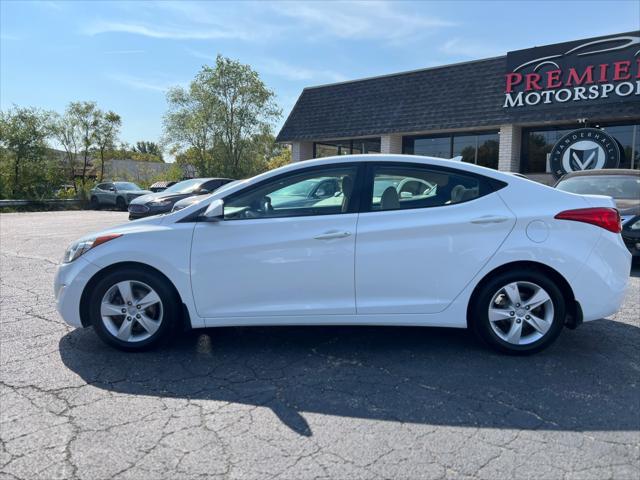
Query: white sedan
405	240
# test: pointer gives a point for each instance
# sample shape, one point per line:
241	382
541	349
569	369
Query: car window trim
366	197
354	204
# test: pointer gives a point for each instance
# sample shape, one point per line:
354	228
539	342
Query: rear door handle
332	235
489	219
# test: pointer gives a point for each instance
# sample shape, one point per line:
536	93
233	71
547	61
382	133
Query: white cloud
144	84
360	20
294	72
469	49
166	32
123	52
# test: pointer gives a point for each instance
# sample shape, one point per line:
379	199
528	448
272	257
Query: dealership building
509	112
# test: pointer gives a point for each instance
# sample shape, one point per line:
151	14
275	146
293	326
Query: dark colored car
621	184
162	202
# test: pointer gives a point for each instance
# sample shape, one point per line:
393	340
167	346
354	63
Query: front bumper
69	283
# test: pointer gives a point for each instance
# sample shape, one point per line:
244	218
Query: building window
537	144
331	148
480	149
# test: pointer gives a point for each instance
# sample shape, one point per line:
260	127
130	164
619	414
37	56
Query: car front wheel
520	312
133	310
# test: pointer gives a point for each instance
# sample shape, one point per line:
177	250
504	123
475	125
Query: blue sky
124	55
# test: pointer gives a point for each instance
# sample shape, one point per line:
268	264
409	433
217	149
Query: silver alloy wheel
131	311
521	313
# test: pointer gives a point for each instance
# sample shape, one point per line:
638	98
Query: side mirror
215	210
112	189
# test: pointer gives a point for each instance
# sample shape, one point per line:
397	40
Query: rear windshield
616	186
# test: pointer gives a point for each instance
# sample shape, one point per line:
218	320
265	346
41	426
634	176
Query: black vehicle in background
621	184
162	202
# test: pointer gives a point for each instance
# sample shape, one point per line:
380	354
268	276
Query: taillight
607	218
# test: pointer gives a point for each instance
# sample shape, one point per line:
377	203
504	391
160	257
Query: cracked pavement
300	403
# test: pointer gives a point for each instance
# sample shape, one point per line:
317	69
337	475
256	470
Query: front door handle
332	235
489	219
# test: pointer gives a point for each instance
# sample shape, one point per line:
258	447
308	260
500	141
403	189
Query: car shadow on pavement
587	381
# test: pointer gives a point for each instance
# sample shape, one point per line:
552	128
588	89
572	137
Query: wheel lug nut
517	304
128	319
518	320
527	307
138	307
512	313
124	310
129	303
528	317
138	316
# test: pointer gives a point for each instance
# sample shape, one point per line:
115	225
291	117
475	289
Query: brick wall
301	151
509	153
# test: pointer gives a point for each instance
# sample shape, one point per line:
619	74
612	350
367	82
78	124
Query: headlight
80	247
159	203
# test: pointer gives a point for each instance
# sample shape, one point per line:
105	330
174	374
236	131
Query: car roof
602	171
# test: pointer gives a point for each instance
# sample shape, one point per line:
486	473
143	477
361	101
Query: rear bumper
601	284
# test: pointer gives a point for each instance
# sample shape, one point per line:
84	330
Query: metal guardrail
70	202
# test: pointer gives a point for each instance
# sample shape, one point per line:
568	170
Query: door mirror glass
215	210
112	189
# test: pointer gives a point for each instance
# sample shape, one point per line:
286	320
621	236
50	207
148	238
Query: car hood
144	224
150	197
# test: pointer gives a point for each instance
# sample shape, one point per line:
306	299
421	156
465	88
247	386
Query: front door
272	255
426	233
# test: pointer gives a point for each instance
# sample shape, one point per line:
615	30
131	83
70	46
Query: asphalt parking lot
300	403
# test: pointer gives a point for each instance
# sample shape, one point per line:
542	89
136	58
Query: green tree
23	135
76	132
149	148
220	116
106	135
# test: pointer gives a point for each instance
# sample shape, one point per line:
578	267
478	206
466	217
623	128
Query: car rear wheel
121	204
133	310
520	312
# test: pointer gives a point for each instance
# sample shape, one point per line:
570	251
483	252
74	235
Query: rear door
417	248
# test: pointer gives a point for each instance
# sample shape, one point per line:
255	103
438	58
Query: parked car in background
465	248
161	186
623	185
187	202
162	202
118	194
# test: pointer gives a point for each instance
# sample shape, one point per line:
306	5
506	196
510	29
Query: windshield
126	186
616	186
186	186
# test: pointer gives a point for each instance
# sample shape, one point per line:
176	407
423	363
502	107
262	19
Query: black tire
95	203
170	305
479	314
121	204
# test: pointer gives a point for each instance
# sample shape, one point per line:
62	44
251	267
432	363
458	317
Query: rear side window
399	187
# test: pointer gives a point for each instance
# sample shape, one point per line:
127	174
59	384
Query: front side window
315	192
403	187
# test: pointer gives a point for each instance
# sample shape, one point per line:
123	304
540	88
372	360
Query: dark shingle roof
463	95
